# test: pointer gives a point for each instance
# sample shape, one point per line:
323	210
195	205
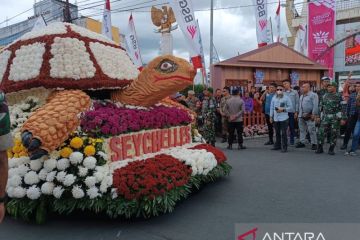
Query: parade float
92	133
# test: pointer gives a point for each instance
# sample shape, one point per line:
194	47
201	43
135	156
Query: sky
234	29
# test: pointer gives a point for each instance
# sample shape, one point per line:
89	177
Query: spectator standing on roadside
234	110
224	120
280	105
308	110
293	112
266	99
249	103
191	100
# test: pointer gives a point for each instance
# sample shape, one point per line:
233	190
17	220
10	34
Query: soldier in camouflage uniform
331	115
224	120
208	115
325	81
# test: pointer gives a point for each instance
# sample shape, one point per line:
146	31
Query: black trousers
239	127
350	128
270	128
281	133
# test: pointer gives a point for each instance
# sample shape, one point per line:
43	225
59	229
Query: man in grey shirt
293	112
234	110
308	110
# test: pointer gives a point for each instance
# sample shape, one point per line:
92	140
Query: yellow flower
89	150
65	152
16	155
76	142
16	149
17	142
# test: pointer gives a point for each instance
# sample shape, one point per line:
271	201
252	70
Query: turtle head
167	75
161	78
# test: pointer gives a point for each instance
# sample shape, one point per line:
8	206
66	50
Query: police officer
330	117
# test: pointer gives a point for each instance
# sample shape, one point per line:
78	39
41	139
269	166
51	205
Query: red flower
151	177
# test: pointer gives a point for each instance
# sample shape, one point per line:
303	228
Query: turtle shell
64	56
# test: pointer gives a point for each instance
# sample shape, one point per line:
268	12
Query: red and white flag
277	20
184	13
106	23
261	21
133	44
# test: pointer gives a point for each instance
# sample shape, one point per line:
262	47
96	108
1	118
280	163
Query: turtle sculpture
72	59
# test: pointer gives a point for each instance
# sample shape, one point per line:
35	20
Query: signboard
132	145
352	50
259	76
294	77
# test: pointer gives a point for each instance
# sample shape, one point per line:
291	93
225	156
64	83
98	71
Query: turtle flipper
49	126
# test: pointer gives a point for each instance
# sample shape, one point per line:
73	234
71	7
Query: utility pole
67	15
211	32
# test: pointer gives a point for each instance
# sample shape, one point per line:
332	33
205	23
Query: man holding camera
308	109
5	143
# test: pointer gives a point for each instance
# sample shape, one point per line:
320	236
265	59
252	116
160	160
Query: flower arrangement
18	150
150	178
107	119
255	130
219	155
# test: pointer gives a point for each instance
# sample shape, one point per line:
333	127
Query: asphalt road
264	187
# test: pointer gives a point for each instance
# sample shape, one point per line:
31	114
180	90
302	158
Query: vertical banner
261	21
184	13
133	44
106	23
269	32
277	18
352	49
322	20
203	69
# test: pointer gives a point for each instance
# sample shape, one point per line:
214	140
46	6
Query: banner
133	44
203	69
184	13
106	23
322	20
40	23
261	21
301	40
352	50
269	33
277	19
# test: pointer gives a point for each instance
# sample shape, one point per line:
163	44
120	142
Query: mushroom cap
64	56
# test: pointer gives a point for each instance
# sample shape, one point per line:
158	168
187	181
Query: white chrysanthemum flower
10	191
31	178
51	176
99	176
63	164
19	192
50	164
90	181
69	180
83	171
77	192
22	170
93	192
36	165
33	192
47	188
43	174
58	191
14	181
104	187
76	158
61	176
90	162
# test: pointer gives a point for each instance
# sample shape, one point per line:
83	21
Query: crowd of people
290	113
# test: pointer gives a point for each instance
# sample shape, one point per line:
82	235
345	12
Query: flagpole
211	31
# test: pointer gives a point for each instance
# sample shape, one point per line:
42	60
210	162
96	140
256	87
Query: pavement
265	186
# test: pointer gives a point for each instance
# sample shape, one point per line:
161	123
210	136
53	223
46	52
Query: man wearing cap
5	143
330	117
325	81
191	100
